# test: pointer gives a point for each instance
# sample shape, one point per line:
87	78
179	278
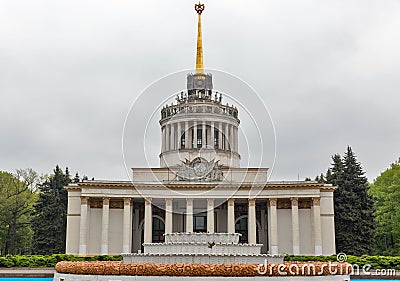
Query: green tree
49	223
354	221
386	192
17	197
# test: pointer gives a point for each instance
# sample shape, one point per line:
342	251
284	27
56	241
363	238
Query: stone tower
199	127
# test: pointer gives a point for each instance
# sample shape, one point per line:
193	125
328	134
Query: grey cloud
328	72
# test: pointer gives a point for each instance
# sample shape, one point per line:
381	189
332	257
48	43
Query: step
201	248
201	258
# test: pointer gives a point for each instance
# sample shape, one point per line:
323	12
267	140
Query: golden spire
199	57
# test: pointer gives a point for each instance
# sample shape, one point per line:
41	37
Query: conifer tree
49	223
354	223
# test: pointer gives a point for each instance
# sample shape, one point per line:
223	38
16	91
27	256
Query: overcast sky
329	72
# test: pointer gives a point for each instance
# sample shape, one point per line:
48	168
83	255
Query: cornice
201	185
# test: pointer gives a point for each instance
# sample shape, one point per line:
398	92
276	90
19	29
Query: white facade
293	218
200	187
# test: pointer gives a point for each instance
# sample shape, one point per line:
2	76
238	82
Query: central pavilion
200	187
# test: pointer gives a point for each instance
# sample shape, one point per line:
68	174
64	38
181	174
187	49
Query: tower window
216	138
183	140
199	138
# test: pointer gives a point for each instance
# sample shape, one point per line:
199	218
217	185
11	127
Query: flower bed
151	269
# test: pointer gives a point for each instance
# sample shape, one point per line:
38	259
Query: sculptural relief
200	170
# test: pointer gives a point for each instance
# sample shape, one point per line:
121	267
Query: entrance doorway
241	226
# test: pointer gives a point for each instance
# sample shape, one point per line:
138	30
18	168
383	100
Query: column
232	140
220	136
167	137
226	136
172	136
212	124
295	226
163	139
317	226
189	215
83	226
274	226
179	140
187	135
105	226
203	135
127	229
148	221
231	215
168	215
210	215
194	134
236	134
251	222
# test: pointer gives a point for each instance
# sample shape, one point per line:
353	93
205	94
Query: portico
282	224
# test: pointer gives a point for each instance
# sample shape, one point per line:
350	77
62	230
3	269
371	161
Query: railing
199	103
192	107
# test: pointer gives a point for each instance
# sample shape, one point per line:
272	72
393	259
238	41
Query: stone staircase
205	248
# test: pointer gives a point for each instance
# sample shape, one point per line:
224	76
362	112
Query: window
216	139
183	140
158	230
200	224
199	138
241	227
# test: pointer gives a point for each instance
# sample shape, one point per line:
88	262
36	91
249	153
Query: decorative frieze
305	204
96	203
284	204
116	204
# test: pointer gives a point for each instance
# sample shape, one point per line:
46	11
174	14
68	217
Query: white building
200	187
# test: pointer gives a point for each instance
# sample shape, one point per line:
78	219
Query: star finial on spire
199	8
199	57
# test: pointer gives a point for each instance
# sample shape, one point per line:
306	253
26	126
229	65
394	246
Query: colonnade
105	222
199	134
273	227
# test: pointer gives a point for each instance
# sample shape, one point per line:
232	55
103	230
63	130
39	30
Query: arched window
158	230
241	227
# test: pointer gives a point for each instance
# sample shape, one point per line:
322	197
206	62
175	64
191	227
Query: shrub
36	261
376	262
